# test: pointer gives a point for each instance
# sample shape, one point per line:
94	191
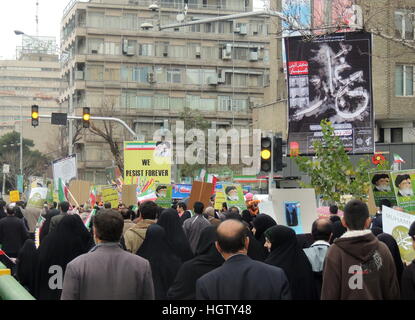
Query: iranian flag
62	191
148	195
211	178
397	158
88	220
140	146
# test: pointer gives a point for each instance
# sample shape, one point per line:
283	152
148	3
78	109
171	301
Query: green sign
382	186
164	195
404	189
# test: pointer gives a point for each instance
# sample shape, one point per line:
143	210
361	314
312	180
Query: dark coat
13	234
408	282
241	278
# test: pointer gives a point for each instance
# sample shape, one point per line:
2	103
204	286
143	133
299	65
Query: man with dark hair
134	236
408	275
193	227
377	219
321	232
240	277
107	272
13	233
64	207
358	266
184	214
128	223
107	205
333	213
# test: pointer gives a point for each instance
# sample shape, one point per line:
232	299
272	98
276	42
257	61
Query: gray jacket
193	228
316	254
108	273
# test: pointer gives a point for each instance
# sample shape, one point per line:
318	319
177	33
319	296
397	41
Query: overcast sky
20	15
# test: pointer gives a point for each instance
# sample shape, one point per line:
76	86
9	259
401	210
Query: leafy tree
34	162
332	173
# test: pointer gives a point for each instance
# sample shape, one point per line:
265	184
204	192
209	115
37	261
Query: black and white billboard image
330	78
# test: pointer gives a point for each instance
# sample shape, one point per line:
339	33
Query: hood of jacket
359	244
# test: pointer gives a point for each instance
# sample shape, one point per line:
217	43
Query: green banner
404	189
164	195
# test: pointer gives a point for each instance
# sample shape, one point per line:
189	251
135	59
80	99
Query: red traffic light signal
35	115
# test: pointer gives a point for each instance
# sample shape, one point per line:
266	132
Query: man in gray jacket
108	272
193	227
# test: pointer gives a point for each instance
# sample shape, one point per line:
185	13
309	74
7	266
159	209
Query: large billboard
329	77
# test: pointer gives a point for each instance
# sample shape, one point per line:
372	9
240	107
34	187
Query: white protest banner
65	169
397	223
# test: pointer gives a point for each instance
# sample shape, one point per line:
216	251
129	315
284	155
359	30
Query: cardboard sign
201	191
397	223
110	195
80	191
129	194
14	196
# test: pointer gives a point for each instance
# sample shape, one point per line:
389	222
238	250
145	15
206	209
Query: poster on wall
293	216
65	169
382	187
330	78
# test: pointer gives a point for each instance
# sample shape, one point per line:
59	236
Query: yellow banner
14	196
110	195
147	163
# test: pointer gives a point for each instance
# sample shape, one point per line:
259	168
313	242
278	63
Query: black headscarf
207	259
67	241
261	223
164	263
376	231
394	249
287	255
26	265
45	227
338	230
176	238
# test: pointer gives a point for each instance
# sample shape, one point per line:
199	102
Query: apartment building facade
149	77
33	78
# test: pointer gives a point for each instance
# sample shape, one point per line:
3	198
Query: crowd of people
206	254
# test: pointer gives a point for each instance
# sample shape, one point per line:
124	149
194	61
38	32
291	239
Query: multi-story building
33	78
393	65
148	77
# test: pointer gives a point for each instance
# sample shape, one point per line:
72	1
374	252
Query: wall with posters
330	78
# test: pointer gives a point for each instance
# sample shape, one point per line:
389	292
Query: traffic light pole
271	173
122	122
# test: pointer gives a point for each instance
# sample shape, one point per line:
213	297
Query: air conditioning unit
165	54
94	51
212	80
253	56
124	46
237	29
243	29
198	52
150	77
221	80
79	75
130	51
226	55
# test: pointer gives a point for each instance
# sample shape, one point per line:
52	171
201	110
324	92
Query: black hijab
287	255
164	263
26	265
176	238
261	223
376	231
67	241
338	230
45	227
207	259
394	249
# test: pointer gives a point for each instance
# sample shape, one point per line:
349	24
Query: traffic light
35	115
277	155
86	116
266	154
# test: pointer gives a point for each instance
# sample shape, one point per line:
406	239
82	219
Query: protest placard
37	197
201	191
80	191
233	193
14	196
110	194
403	187
164	195
129	194
382	187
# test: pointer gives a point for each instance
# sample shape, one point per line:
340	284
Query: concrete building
148	77
33	78
393	66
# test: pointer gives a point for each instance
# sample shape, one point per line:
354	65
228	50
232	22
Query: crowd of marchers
205	254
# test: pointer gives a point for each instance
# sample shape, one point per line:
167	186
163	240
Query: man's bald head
322	229
232	235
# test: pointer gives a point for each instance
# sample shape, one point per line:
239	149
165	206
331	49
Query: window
96	46
177	104
95	19
209	27
174	75
161	102
112	74
226	103
404	25
210	53
240	53
208	105
396	135
144	102
206	74
404	80
224	27
146	49
95	72
193	102
112	48
177	51
112	22
162	49
129	21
